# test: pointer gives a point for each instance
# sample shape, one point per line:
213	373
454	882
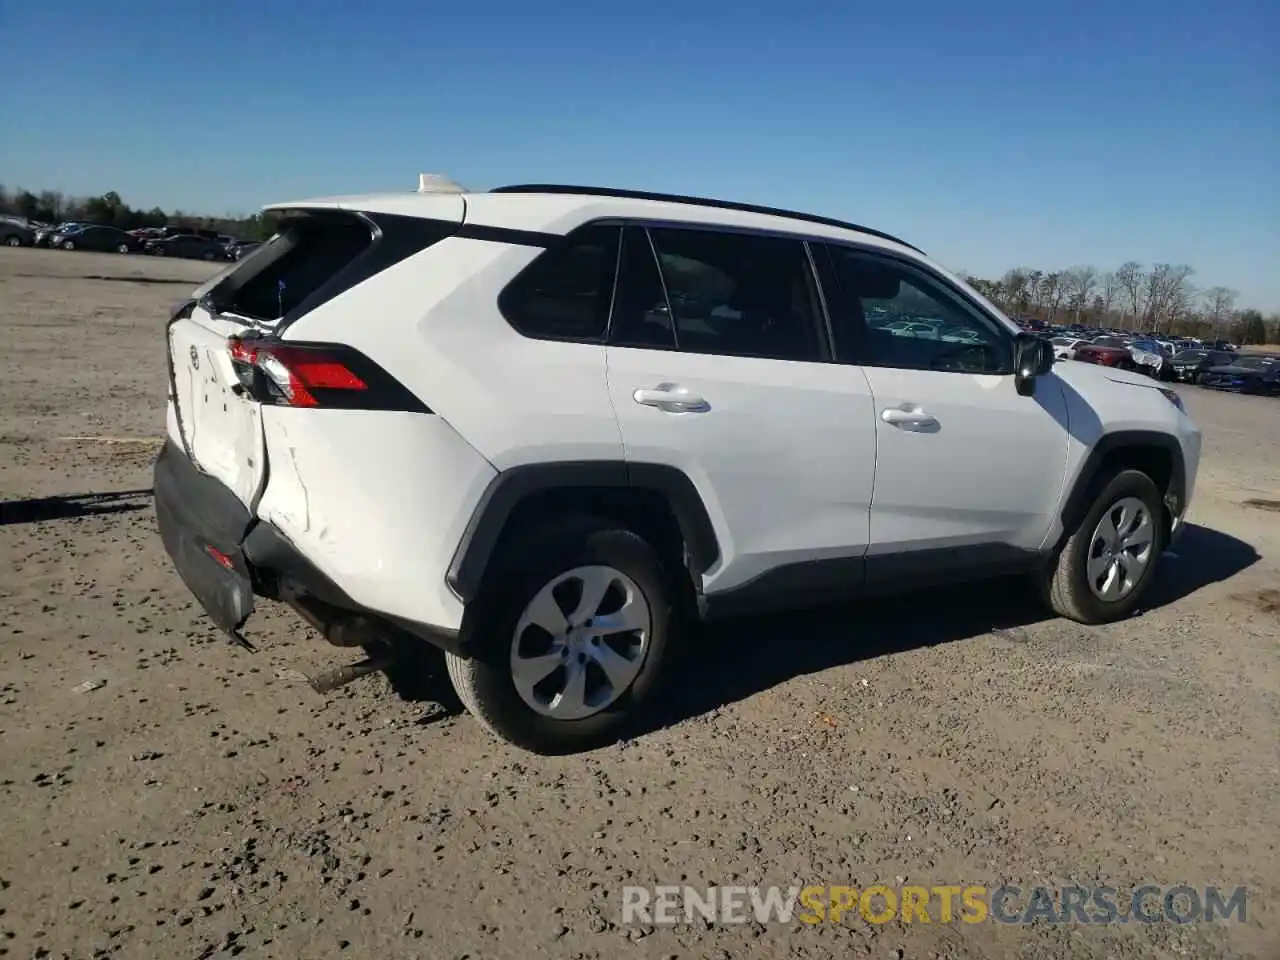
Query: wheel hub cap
580	642
1120	549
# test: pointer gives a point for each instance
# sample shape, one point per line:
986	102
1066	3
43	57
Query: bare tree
1168	294
1078	284
1131	280
1108	292
1053	292
1016	290
1218	302
1035	290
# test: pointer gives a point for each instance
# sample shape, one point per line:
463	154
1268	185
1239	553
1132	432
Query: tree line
53	206
1160	298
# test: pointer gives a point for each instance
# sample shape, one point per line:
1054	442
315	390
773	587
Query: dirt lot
202	803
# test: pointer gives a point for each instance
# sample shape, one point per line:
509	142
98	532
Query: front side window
718	292
913	322
565	293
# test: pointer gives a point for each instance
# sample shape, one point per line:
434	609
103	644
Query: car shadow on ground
74	505
731	660
735	659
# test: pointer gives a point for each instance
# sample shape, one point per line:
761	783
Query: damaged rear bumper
226	557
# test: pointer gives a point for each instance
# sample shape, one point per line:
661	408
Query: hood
1131	377
1084	376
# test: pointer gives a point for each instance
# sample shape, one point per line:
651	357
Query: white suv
544	427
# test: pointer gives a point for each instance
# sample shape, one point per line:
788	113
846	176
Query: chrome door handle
671	398
908	416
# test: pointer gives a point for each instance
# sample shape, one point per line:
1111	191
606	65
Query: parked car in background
1189	365
241	249
16	232
1150	357
1248	373
186	245
106	239
45	237
1064	348
1108	352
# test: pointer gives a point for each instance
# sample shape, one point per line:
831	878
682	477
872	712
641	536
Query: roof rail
560	188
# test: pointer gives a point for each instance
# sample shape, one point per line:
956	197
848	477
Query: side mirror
1032	357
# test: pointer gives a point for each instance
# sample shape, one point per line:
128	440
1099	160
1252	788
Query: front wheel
122	248
1109	557
68	245
569	638
208	255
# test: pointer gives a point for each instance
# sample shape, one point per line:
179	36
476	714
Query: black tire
68	245
208	256
122	248
484	682
1066	588
13	240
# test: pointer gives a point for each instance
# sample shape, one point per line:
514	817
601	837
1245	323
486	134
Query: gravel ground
200	802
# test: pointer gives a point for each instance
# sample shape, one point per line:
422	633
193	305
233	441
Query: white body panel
783	455
377	501
982	465
223	429
516	400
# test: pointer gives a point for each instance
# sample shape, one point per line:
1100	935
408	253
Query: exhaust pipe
339	627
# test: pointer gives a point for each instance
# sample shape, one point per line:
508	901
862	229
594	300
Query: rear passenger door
719	364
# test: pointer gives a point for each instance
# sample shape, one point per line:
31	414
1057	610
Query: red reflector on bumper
221	557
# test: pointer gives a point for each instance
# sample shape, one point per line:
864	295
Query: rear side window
315	257
566	292
718	292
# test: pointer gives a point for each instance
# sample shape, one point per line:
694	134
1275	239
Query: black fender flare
1076	503
510	487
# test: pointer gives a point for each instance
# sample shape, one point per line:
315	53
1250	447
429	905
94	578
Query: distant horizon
992	136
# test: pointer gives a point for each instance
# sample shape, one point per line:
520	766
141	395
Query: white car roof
560	212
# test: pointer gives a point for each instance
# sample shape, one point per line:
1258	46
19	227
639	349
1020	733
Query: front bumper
226	556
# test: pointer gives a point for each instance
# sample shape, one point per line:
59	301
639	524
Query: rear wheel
1110	556
13	241
570	635
122	248
207	255
68	244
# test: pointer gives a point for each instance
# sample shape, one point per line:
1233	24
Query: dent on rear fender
293	512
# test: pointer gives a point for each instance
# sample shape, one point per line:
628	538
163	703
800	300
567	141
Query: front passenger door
967	470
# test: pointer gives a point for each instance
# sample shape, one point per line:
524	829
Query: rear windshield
306	252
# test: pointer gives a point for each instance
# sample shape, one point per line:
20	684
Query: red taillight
316	375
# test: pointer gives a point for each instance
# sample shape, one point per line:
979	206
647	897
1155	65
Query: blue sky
990	134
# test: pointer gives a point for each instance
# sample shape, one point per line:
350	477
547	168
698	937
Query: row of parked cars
1216	363
194	244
